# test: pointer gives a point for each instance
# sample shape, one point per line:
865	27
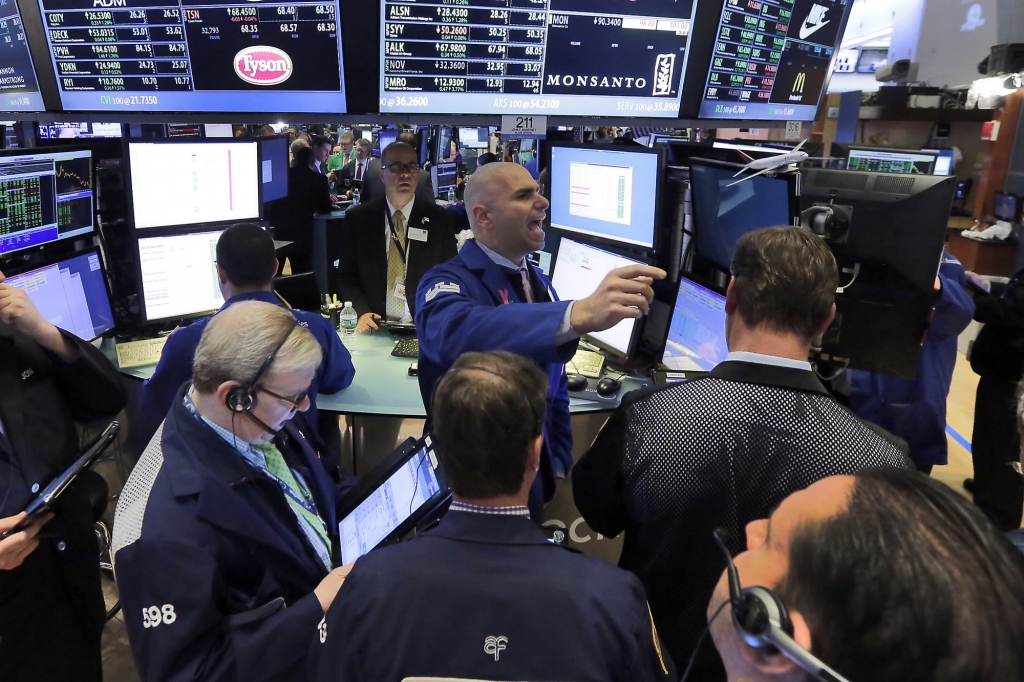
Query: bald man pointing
490	298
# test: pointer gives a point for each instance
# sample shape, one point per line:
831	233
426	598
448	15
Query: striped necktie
396	270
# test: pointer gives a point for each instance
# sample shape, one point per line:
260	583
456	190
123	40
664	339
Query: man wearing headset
225	531
884	576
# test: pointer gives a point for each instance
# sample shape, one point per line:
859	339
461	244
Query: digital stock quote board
569	57
196	55
19	90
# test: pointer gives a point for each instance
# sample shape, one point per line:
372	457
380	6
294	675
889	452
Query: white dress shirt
762	359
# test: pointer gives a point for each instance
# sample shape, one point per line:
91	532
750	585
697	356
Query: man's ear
533	450
223	275
778	664
730	297
481	216
828	321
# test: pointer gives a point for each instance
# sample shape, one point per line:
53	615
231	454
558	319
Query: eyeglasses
403	167
294	403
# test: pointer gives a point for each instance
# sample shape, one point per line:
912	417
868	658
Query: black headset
763	622
242	399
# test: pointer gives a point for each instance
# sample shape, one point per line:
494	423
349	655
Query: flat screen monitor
473	138
579	270
19	89
1006	206
178	275
130	56
444	175
443	144
72	131
606	193
386	137
696	335
724	209
771	59
367	135
45	197
884	160
274	167
71	294
218	130
657	139
185	130
583	58
193	183
398	494
943	162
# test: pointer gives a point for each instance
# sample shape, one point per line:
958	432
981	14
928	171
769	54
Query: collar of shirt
499	259
514	510
762	359
406	211
249	453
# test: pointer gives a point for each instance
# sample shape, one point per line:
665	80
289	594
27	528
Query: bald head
506	210
487	182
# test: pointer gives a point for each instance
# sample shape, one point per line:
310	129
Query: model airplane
770	163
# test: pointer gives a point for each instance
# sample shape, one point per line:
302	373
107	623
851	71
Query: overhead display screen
772	58
569	57
196	55
19	90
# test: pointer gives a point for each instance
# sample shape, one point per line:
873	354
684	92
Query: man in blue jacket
226	529
490	298
915	410
484	595
246	265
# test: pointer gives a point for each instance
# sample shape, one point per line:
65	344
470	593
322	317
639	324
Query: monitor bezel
159	234
659	185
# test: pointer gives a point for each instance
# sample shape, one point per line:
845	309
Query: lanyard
394	237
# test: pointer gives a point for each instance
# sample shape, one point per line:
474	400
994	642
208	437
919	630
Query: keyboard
587	363
407	348
139	353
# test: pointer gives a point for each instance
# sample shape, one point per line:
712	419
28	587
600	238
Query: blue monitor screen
605	193
71	294
176	55
723	214
386	137
44	197
274	168
696	336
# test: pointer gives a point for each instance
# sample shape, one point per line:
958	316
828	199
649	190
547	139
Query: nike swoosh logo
806	29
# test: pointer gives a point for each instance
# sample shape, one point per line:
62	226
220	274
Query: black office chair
299	291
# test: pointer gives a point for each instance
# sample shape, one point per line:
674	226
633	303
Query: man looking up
388	244
486	573
245	267
490	298
674	463
887	576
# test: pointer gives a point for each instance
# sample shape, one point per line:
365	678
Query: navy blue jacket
488	598
214	574
915	410
467	305
175	367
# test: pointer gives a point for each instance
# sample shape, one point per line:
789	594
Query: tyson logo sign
263	65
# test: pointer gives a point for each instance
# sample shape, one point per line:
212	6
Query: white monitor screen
943	162
388	506
179	275
184	183
219	130
696	336
579	270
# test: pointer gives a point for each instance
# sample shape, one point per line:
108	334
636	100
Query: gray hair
298	144
238	340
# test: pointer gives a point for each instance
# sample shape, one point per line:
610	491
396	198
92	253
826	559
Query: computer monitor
193	130
1006	206
943	162
607	193
178	275
44	197
443	143
19	88
579	270
473	138
71	294
386	137
193	182
218	130
274	167
72	131
696	335
443	176
657	139
725	209
884	160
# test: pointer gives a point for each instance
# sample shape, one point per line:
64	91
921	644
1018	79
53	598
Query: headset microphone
762	621
242	399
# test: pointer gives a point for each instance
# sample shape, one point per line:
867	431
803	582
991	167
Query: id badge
399	291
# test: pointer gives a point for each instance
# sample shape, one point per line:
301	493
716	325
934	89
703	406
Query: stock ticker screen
196	55
19	90
569	57
772	58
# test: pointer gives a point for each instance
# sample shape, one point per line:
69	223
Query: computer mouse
608	387
577	382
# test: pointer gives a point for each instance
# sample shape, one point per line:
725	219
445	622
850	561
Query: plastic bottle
349	320
355	196
451	196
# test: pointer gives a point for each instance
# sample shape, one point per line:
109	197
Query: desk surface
382	385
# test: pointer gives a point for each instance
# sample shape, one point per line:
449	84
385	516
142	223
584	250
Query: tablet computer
49	496
399	493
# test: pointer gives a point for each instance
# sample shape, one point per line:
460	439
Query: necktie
527	288
396	270
299	499
359	170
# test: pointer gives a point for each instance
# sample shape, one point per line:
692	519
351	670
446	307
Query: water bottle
349	320
451	196
355	196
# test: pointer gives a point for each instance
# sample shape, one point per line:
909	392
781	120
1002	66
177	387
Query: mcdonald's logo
798	84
